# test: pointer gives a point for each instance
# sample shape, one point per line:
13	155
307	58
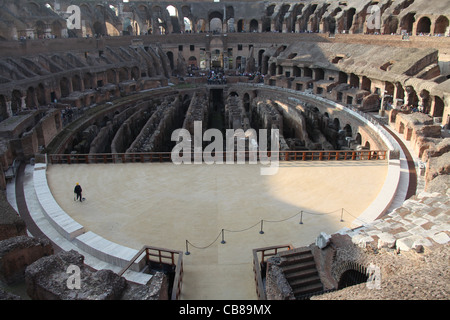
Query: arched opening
413	100
367	145
215	25
57	29
438	107
254	25
187	25
76	83
123	74
350	278
88	81
390	25
426	101
111	76
348	130
354	80
266	24
349	19
246	102
201	25
173	12
192	62
40	94
343	77
216	58
336	124
3	109
98	29
31	98
407	22
319	74
135	73
307	72
358	138
240	26
329	25
423	25
401	128
170	57
366	83
260	59
40	29
64	87
127	27
273	69
16	102
441	25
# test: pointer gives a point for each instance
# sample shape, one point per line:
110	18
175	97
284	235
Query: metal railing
161	256
320	155
258	262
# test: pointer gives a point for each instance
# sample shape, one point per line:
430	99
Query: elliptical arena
363	151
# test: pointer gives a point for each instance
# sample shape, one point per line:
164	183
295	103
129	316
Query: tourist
78	192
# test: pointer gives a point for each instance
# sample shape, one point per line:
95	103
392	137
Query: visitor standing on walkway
78	191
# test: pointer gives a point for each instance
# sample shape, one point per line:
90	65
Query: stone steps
300	270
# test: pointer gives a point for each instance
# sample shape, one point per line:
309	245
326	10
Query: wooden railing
161	256
322	155
260	256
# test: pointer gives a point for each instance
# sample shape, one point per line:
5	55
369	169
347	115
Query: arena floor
164	205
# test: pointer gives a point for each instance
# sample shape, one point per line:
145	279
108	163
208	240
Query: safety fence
221	235
218	157
161	256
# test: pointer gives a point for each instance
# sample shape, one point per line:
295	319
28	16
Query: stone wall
48	279
19	252
11	224
157	130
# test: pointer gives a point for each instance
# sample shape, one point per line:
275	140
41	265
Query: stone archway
441	25
423	26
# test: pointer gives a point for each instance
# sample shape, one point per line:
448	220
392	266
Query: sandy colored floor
164	205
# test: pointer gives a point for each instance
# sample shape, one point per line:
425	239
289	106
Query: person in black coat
78	191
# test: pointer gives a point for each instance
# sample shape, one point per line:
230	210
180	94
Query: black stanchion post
301	217
187	250
342	214
261	231
223	238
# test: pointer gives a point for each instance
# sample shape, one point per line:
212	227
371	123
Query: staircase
300	270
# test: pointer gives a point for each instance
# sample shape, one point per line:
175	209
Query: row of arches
143	18
43	94
434	25
390	94
348	133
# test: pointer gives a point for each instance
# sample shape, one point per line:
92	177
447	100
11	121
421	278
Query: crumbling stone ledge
50	278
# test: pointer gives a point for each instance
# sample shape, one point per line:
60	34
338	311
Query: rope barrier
261	223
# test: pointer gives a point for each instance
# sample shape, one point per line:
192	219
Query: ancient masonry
318	71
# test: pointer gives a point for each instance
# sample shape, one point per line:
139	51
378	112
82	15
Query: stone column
382	110
23	104
9	109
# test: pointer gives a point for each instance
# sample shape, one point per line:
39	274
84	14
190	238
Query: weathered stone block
18	252
47	279
11	224
323	240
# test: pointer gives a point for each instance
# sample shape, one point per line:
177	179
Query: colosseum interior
92	91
